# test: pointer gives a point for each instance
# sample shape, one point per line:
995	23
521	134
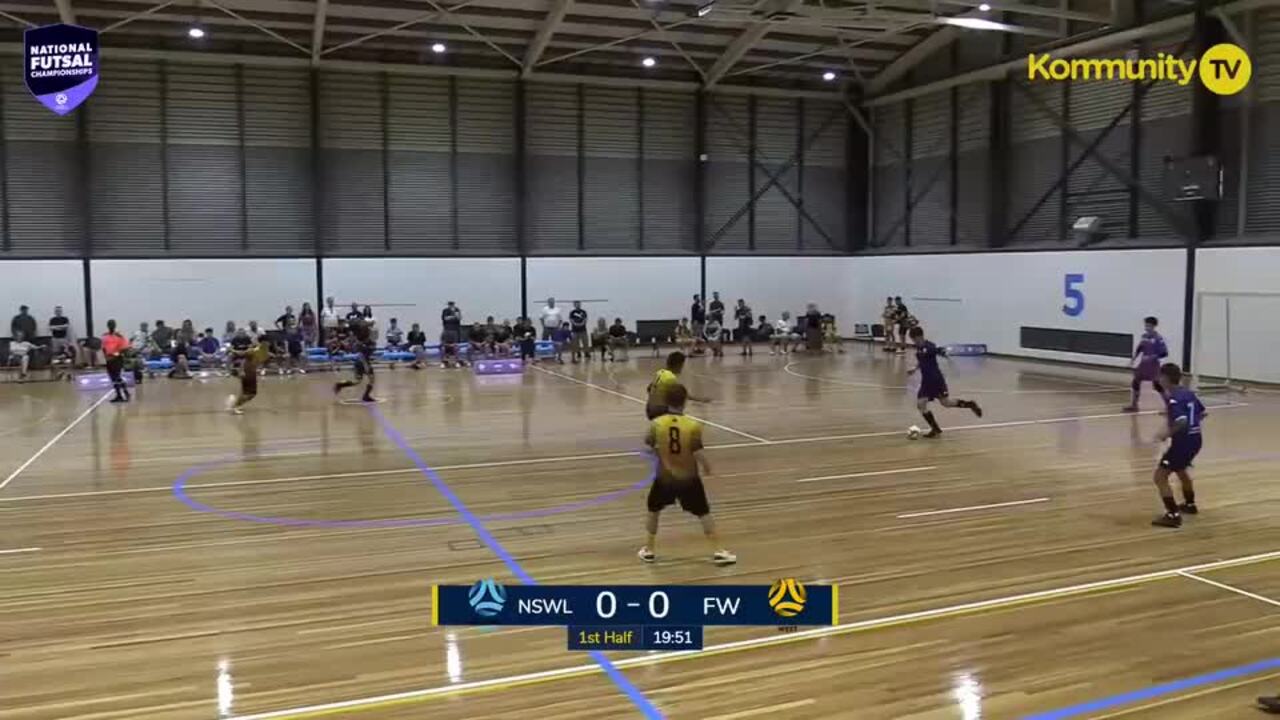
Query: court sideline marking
545	676
1229	588
19	550
949	511
642	703
872	473
634	399
55	439
575	458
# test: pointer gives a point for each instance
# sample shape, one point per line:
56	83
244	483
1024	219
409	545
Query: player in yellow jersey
663	382
676	440
253	353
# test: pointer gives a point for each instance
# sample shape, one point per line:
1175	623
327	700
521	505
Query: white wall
40	285
635	288
209	292
1254	337
988	297
771	285
480	287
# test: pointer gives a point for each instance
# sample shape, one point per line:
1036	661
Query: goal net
1234	340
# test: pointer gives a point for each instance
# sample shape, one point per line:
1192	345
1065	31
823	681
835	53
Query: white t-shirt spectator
329	317
552	318
782	328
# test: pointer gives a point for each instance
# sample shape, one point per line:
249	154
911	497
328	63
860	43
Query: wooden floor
167	560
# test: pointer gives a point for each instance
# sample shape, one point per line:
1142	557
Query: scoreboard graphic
636	617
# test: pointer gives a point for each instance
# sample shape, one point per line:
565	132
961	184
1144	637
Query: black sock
928	417
345	384
965	404
1189	497
1170	505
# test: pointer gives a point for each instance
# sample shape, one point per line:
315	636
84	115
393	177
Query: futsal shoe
933	434
1270	704
1168	520
646	554
1189	509
724	557
975	407
1129	409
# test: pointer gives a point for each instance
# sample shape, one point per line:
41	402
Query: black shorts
932	390
115	366
1181	453
654	411
249	379
362	368
690	493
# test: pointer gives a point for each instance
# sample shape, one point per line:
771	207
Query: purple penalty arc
181	492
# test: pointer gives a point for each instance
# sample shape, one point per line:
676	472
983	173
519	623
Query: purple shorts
1148	370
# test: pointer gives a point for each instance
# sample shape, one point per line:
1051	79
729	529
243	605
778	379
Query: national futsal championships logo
487	597
1224	69
787	597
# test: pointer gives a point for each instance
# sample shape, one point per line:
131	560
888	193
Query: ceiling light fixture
648	62
828	76
195	32
438	48
705	9
973	23
984	7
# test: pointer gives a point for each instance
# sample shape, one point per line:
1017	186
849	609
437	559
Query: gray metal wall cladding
1035	155
222	160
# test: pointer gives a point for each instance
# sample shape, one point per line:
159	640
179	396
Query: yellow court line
548	676
835	604
435	604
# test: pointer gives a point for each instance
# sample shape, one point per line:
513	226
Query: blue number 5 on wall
1075	296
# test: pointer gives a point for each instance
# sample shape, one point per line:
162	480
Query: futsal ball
914	432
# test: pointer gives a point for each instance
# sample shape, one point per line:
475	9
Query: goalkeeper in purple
1147	356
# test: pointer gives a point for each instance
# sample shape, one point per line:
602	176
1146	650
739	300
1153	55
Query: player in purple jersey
1185	414
933	386
1150	351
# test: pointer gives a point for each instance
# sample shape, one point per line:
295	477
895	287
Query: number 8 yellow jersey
676	438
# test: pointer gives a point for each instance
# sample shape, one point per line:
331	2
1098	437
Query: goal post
1234	340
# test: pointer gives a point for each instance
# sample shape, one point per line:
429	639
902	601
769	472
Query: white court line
634	399
577	458
872	473
55	439
765	641
19	550
1229	588
949	511
984	391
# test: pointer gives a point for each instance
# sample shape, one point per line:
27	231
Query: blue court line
1156	691
477	525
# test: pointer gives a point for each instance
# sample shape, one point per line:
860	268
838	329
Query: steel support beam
66	13
533	53
317	30
736	50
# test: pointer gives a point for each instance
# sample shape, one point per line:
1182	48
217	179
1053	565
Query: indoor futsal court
595	359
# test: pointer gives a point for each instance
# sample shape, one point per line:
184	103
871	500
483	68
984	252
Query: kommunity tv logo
1224	69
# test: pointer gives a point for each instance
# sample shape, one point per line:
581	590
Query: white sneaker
646	554
724	557
237	411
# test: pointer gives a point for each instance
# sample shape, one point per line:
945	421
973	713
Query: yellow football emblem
787	597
